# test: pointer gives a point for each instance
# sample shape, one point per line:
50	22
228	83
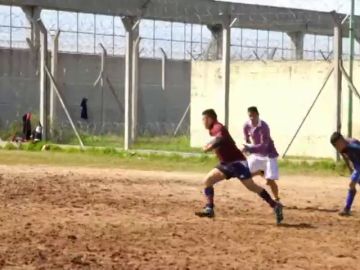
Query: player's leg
241	170
263	194
267	168
252	186
213	177
355	178
257	165
274	188
271	175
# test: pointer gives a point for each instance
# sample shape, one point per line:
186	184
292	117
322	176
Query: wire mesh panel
83	32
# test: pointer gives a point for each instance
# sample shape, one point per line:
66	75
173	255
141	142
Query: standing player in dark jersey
232	164
350	151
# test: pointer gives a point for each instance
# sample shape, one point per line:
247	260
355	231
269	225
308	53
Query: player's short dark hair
210	113
253	109
335	137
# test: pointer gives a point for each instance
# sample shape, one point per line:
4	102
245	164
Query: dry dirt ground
80	218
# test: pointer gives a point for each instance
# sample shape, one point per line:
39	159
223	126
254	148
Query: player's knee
270	182
251	185
352	185
207	182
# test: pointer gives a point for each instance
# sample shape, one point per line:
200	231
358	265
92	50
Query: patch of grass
99	140
10	147
31	146
55	148
323	167
300	158
181	144
164	143
110	157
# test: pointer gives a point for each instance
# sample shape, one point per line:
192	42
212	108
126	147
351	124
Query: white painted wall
283	92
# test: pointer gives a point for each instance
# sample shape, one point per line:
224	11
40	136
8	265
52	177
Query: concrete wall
283	92
159	111
18	86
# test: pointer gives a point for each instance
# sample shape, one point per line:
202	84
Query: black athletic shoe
206	212
278	210
345	213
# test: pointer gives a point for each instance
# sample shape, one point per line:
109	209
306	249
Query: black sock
267	198
209	194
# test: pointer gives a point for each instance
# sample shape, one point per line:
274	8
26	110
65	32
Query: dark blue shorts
237	169
355	177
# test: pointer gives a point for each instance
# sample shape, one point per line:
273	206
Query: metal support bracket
350	83
163	69
182	119
54	68
308	112
100	82
62	102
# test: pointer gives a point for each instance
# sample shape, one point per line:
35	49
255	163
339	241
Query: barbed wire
81	33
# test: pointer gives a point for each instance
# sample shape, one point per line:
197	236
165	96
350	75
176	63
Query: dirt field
58	218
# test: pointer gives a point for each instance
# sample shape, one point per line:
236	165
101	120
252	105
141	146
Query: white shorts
267	165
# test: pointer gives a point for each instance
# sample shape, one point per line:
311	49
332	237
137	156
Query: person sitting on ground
37	135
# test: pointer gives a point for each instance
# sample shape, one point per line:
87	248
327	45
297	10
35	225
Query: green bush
54	148
72	150
109	151
13	129
10	146
32	146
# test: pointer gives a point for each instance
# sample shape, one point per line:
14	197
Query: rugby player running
232	164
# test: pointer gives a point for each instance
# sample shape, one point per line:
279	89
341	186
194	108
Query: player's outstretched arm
347	162
213	144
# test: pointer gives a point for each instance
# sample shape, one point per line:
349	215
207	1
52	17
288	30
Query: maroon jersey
227	151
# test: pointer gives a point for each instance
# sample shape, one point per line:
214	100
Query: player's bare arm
213	144
348	163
